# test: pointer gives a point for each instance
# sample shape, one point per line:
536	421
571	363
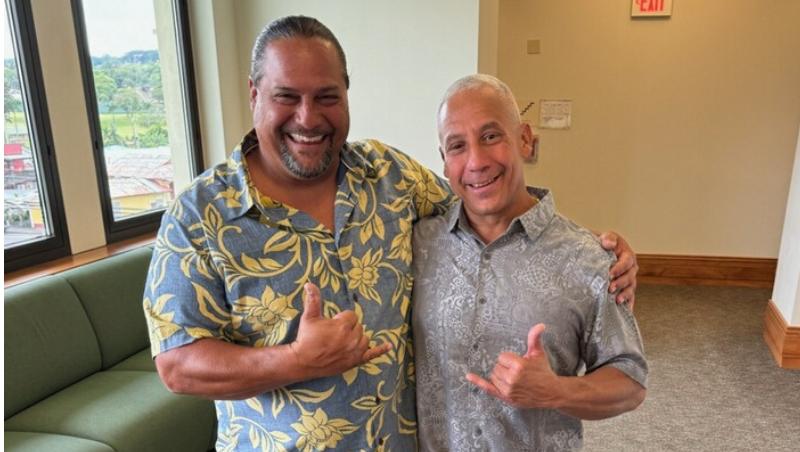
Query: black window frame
116	230
26	50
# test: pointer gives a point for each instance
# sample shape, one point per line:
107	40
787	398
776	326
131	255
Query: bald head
481	82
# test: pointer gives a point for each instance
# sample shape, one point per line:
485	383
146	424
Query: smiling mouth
483	183
306	139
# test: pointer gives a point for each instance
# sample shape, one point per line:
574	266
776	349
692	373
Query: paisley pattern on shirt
230	264
473	301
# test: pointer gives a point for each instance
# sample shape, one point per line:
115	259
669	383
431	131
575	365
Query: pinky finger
483	384
376	351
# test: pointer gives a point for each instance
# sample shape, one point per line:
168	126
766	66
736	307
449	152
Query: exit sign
651	8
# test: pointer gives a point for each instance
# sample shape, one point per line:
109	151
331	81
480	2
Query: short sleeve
613	339
184	297
432	194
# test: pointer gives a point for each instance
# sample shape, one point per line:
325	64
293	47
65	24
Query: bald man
511	299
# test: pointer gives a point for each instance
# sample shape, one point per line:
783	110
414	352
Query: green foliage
127	100
12	94
16	217
120	129
155	136
110	134
105	87
130	85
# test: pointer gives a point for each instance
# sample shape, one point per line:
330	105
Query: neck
316	196
490	227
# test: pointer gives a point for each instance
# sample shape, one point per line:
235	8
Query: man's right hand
330	346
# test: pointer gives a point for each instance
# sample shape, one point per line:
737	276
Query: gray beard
305	173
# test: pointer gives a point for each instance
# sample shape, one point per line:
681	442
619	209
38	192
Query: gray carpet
713	384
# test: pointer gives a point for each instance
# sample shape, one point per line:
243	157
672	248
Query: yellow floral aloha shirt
230	264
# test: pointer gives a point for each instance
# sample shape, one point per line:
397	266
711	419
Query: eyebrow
323	90
491	125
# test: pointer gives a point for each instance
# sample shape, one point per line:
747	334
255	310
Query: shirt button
474	346
487	256
355	298
475	390
478	431
482	300
380	441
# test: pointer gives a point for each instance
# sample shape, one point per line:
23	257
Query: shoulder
585	261
432	240
374	149
376	153
427	229
206	190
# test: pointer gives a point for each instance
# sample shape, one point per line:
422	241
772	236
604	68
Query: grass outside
15	123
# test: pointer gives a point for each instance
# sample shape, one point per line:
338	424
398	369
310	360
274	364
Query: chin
481	208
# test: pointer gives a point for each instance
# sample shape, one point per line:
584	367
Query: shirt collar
532	222
237	176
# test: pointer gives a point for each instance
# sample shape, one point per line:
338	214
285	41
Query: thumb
535	340
312	302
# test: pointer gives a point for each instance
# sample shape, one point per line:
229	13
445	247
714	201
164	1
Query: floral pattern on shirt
230	263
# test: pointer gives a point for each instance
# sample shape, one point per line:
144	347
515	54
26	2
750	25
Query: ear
253	93
528	140
441	154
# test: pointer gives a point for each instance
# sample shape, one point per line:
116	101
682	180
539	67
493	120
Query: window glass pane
25	217
134	64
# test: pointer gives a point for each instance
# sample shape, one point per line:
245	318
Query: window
33	216
136	63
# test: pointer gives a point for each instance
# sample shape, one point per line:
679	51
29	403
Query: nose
307	115
477	158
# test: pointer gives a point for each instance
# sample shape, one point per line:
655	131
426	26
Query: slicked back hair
292	27
478	81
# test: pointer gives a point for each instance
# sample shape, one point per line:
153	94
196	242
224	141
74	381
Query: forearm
604	393
219	370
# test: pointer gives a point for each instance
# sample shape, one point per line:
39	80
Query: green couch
78	372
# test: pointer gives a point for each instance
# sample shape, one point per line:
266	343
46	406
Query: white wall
401	57
786	293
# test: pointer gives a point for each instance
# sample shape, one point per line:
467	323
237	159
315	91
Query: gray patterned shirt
473	301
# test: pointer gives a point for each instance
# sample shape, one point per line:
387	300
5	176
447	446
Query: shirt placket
476	353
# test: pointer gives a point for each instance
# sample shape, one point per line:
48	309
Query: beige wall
488	34
63	85
683	129
219	87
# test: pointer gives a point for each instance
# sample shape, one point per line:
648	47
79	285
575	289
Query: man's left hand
523	381
623	273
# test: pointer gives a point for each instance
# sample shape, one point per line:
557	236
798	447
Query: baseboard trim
783	340
706	270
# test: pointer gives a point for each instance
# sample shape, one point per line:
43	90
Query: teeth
306	140
483	184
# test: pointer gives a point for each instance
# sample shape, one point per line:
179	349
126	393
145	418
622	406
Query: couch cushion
49	342
111	290
128	410
38	442
140	361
